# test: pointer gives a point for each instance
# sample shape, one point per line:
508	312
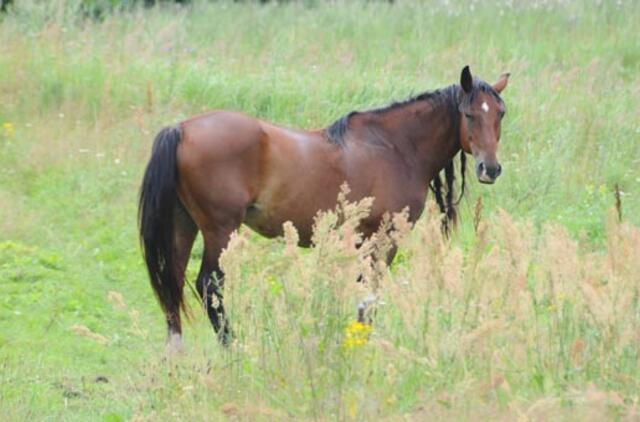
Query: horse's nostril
493	171
481	167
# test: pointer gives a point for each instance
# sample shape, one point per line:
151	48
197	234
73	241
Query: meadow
530	311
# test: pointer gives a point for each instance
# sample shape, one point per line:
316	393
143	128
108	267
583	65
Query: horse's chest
390	204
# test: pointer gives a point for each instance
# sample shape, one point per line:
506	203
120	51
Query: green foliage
82	98
20	263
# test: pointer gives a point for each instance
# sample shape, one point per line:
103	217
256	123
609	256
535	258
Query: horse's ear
466	80
502	82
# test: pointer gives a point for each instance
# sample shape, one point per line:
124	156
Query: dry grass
518	323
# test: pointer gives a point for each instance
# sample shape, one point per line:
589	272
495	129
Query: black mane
450	97
481	86
336	132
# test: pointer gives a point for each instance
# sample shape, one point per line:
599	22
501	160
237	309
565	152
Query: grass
535	314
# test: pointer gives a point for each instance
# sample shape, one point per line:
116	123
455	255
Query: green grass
84	98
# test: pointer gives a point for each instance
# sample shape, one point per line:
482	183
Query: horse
216	171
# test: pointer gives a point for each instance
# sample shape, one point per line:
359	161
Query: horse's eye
468	116
502	113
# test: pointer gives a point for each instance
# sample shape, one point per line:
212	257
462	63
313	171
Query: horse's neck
428	135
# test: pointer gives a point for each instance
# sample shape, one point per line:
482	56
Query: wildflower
356	334
590	189
8	129
275	286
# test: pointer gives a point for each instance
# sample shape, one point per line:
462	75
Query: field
531	310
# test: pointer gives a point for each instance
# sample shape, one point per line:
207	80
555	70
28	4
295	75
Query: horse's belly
257	220
268	219
268	226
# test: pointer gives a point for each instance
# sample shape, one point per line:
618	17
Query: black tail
158	198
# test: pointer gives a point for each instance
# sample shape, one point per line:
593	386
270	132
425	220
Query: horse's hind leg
185	232
367	307
211	278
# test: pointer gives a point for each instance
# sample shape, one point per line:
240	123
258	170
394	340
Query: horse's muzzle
488	173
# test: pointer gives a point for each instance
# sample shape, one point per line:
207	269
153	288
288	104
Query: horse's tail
158	199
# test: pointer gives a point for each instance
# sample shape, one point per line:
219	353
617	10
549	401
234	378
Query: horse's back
224	133
269	173
220	134
273	174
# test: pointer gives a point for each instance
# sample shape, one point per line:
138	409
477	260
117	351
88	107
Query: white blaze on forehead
485	106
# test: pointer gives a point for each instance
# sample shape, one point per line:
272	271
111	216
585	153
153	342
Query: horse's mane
447	205
448	97
336	132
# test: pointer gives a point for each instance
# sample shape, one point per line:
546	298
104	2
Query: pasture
531	310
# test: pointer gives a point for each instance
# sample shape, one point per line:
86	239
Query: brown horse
219	170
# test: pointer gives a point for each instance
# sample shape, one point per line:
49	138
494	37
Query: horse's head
481	110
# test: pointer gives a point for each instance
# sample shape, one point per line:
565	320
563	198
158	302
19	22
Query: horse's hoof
364	311
174	345
225	337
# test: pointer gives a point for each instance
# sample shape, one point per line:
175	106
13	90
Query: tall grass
529	311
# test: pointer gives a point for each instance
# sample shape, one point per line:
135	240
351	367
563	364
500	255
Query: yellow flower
8	129
275	286
392	399
589	188
356	334
353	409
602	189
